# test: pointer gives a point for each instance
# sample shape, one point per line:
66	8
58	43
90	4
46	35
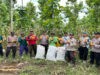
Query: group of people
28	44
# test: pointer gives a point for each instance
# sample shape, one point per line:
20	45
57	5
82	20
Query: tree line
50	17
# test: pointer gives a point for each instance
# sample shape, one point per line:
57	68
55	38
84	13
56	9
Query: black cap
97	33
52	33
65	32
71	34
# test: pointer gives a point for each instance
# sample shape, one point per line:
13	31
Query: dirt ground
11	68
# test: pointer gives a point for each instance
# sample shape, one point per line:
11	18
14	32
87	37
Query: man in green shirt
53	40
23	44
1	49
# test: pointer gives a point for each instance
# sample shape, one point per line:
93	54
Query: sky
62	3
19	2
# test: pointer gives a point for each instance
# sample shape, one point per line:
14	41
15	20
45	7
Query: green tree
94	13
71	12
50	15
24	17
4	17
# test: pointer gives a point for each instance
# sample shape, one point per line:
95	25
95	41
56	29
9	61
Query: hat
97	33
52	33
84	32
65	32
31	30
71	34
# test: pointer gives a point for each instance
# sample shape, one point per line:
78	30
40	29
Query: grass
41	67
45	67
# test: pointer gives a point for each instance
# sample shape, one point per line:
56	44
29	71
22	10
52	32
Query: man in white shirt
84	45
71	45
95	51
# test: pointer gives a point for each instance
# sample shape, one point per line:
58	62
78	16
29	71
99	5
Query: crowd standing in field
68	43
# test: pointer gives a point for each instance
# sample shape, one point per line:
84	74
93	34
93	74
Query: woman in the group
95	53
44	41
32	43
84	45
12	44
71	45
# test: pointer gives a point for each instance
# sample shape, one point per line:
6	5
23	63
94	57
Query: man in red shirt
32	40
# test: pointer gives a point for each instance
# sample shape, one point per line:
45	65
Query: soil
11	68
